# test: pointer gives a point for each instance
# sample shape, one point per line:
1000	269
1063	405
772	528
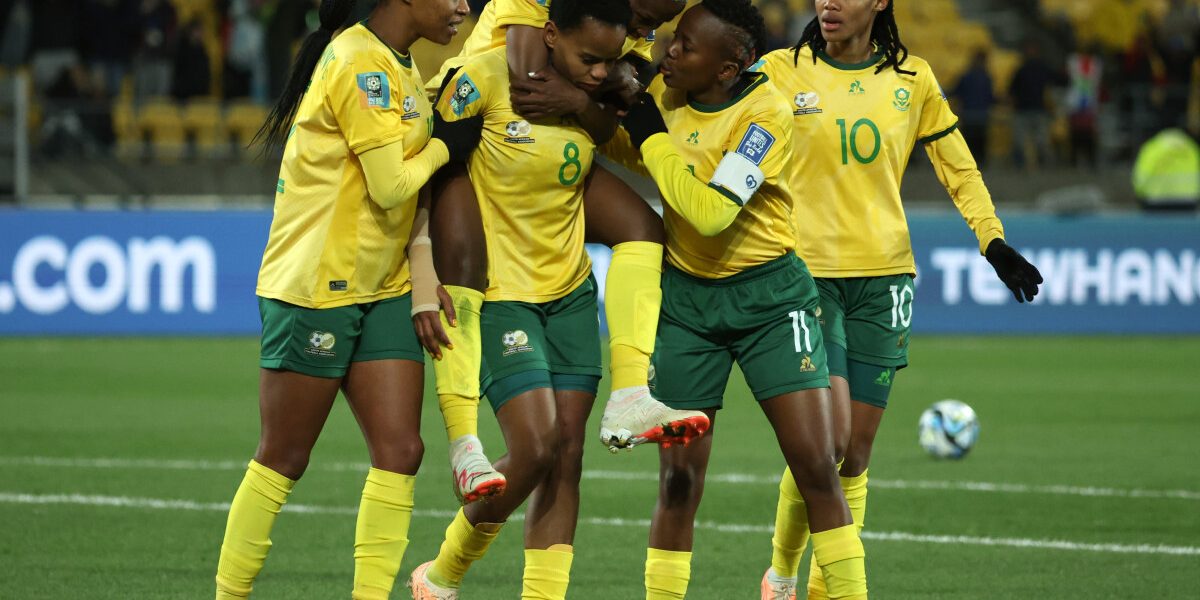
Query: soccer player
541	339
862	104
616	217
333	286
721	151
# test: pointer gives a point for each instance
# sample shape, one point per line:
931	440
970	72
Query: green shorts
553	344
764	318
866	322
322	342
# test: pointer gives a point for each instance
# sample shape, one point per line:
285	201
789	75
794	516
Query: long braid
885	36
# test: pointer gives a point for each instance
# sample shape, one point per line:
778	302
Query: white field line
884	536
602	475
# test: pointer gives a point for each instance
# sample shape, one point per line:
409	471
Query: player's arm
428	295
959	174
539	92
709	207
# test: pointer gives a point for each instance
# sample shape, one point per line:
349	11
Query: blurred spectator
1176	38
245	53
191	76
152	77
15	22
1085	71
55	40
109	40
1031	120
775	15
1166	176
974	93
286	26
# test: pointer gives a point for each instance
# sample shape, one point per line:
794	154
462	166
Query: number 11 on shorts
798	325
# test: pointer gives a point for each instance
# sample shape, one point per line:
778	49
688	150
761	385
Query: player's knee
398	454
461	261
857	457
542	451
289	462
817	475
681	485
570	458
646	227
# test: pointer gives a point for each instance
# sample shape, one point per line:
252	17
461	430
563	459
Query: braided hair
884	35
749	29
333	14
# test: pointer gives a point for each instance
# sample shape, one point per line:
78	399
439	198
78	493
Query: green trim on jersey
937	136
712	108
404	59
728	194
841	66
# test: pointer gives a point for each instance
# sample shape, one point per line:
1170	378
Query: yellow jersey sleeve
621	151
937	119
528	178
642	48
364	95
533	13
956	169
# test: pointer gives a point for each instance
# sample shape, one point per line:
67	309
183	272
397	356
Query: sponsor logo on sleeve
755	144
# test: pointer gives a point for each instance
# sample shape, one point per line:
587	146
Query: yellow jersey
491	32
329	244
529	180
756	124
859	128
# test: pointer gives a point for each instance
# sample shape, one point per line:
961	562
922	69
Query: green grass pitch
117	455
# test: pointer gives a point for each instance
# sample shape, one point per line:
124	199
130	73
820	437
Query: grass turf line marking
884	536
602	475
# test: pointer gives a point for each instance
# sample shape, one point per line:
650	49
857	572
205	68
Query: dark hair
884	35
274	131
750	29
569	14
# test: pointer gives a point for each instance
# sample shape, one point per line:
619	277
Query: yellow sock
855	489
463	545
547	573
381	536
247	532
791	528
667	574
458	371
632	299
839	552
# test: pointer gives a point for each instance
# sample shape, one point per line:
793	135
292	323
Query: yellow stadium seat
242	122
202	120
162	120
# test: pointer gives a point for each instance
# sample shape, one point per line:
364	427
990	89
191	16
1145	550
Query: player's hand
643	120
622	86
461	136
546	94
1021	277
428	325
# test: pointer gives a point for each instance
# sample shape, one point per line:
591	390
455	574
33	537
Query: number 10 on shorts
800	331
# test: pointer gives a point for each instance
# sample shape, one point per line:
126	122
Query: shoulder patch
650	37
755	144
465	93
757	67
374	91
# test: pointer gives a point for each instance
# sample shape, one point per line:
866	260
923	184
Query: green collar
712	108
841	66
405	59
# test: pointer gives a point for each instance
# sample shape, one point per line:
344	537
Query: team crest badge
515	341
320	343
806	103
517	132
373	90
902	99
410	109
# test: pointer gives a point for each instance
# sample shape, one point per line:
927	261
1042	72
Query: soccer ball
948	429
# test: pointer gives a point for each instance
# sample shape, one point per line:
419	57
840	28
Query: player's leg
384	387
519	387
620	219
783	356
791	515
302	366
688	372
573	350
460	257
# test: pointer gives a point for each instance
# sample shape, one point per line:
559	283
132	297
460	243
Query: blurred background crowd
126	99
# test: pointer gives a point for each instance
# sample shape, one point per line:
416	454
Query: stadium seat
242	122
127	130
202	120
162	120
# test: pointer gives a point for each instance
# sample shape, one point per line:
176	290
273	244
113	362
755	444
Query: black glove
1021	277
460	137
643	120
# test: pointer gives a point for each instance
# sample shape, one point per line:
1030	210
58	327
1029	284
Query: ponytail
273	132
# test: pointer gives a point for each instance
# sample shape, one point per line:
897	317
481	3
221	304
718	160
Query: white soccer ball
948	429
